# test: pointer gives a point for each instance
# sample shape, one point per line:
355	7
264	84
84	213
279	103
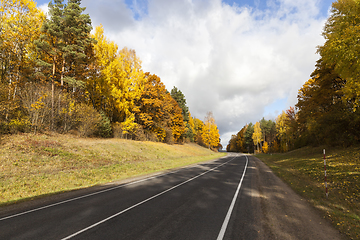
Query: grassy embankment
34	165
303	170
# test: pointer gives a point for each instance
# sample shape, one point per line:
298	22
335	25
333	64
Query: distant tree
281	129
190	126
198	127
268	128
248	137
174	118
231	147
210	133
240	140
265	147
257	136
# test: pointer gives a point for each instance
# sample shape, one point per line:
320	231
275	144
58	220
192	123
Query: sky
240	59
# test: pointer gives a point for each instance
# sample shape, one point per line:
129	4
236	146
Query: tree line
327	111
55	75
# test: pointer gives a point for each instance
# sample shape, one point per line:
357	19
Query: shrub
104	127
87	119
36	99
19	125
117	130
139	134
169	139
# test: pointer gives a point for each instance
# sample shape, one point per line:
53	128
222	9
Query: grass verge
303	170
36	165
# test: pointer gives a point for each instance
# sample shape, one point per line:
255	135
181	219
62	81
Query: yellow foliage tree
173	117
265	147
210	133
117	81
281	129
20	23
257	136
98	89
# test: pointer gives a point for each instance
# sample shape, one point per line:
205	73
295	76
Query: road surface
235	197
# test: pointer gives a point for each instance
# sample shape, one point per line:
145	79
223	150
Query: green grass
38	165
303	170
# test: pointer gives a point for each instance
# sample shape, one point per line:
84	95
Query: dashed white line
228	215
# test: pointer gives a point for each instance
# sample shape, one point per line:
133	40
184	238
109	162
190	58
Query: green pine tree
76	36
50	43
180	99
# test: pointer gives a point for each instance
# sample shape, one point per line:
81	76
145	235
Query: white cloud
231	60
44	8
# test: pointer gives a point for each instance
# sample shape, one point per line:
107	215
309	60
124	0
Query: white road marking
92	194
228	215
85	196
142	202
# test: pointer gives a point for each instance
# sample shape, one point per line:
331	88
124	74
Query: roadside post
326	188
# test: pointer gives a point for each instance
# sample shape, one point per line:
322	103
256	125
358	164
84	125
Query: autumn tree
257	136
240	140
126	87
103	69
117	81
323	115
265	147
173	117
190	126
341	51
151	114
198	128
231	147
281	129
20	23
180	99
210	133
237	142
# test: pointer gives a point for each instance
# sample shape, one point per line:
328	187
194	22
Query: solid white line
228	215
142	202
85	196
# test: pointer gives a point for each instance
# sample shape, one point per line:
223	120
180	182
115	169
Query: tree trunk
52	94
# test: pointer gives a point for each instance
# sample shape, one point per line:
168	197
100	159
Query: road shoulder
286	214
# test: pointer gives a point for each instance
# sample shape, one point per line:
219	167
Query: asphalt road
236	197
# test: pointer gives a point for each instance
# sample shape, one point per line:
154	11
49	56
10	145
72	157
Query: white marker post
326	189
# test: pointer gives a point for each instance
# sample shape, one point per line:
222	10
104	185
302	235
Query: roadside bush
117	130
36	99
19	125
104	127
139	134
151	136
66	117
87	119
169	139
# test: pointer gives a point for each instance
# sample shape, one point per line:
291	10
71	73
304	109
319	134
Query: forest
57	74
327	111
